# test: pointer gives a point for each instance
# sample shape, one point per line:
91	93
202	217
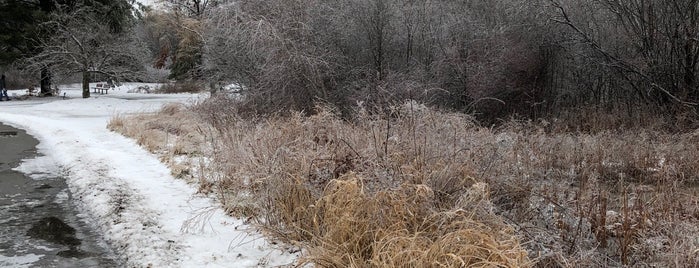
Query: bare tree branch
634	25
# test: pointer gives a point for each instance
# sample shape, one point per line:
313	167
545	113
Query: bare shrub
291	54
180	87
16	79
155	75
117	123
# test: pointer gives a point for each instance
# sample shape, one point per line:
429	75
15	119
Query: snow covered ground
149	218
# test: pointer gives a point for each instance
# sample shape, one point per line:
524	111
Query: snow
151	3
19	261
148	217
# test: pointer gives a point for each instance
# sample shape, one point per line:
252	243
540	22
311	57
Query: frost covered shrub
560	189
386	189
330	185
181	87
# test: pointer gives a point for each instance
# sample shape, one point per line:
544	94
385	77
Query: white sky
155	4
147	2
164	222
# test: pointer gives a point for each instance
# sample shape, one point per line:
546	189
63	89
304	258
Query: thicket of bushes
493	58
291	54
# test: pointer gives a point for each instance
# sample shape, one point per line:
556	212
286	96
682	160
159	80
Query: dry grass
373	193
598	200
401	228
420	188
172	132
181	87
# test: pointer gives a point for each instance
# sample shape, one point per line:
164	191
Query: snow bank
148	217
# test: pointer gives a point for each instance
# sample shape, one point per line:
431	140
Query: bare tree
273	57
185	17
81	44
654	44
192	8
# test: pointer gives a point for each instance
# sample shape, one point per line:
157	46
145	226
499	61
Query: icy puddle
39	226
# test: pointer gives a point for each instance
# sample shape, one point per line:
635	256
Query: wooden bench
101	87
32	91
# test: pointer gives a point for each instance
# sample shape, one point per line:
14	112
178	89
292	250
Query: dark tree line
650	46
495	58
19	27
463	55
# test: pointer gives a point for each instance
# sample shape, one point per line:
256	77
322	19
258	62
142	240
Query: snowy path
148	217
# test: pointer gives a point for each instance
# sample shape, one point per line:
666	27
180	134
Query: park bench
101	87
32	91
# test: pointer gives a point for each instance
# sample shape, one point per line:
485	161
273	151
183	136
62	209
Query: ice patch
19	261
39	168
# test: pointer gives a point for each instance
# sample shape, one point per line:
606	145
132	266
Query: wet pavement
39	224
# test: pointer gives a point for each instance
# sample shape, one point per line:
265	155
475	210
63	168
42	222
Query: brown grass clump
453	238
349	227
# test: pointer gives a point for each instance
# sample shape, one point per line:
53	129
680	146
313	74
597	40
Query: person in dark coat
3	90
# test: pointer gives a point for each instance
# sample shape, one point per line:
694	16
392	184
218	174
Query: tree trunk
45	82
378	27
86	84
690	65
213	87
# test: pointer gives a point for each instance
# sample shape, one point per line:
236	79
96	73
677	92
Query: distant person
3	89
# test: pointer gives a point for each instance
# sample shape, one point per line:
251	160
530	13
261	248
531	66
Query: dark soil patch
54	230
